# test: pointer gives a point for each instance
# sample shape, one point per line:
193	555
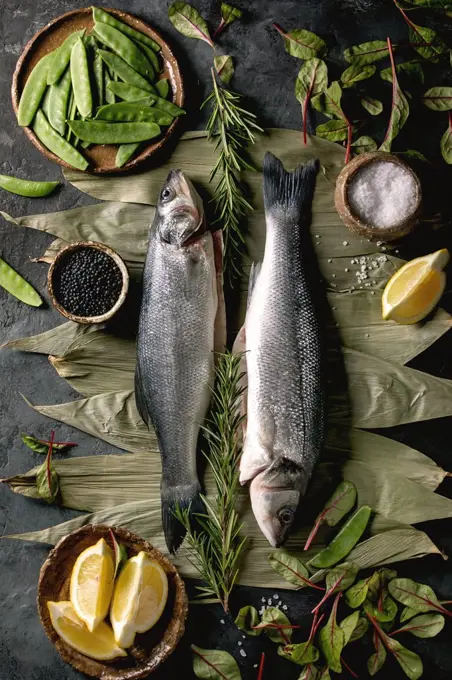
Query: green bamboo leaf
333	130
376	661
372	105
332	641
417	596
291	569
302	44
426	42
214	664
275	625
187	20
366	53
348	626
246	619
411	70
357	72
364	144
224	66
360	630
446	142
438	98
423	626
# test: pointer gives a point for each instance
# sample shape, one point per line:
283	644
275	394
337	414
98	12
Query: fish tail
291	191
182	497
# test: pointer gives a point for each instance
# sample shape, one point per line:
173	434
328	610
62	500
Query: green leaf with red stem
376	661
366	53
42	446
446	142
224	67
411	70
325	674
438	98
425	41
332	639
301	43
416	596
333	131
410	662
357	72
361	629
348	626
291	569
385	611
423	626
356	595
400	109
47	479
187	20
229	14
338	579
247	619
312	79
364	144
310	672
214	664
407	614
372	105
276	625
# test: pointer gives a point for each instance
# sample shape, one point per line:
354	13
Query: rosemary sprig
235	128
214	548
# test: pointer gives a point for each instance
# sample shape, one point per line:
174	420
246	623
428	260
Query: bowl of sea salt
378	196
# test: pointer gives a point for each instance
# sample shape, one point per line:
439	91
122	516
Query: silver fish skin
175	345
284	357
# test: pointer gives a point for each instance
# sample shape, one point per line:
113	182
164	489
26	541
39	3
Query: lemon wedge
415	289
99	644
92	584
139	598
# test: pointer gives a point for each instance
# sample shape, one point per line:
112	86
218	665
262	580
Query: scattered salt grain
222	621
244	637
269	601
263	599
346	269
382	193
239	643
330	260
284	607
279	603
276	597
345	243
242	652
255	665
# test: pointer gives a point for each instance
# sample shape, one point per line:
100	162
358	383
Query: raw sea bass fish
284	358
182	296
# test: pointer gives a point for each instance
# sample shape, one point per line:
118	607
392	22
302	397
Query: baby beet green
26	187
81	79
106	18
125	48
125	153
345	540
101	132
33	91
61	57
12	282
58	102
133	112
56	143
124	71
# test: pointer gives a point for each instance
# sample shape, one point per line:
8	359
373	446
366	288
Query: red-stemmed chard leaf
312	79
187	20
331	639
425	41
446	142
301	43
410	662
47	479
400	109
340	503
291	569
214	664
229	14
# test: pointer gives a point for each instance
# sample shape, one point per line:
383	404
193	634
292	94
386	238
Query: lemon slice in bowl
415	289
139	598
99	644
92	584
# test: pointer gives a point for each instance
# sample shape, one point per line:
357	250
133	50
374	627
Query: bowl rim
115	257
169	59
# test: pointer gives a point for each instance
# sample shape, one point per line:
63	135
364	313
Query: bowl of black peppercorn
88	282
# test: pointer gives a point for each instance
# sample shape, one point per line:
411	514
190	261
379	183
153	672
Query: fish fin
187	496
292	191
139	398
254	275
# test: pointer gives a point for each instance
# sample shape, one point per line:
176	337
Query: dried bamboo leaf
395	545
51	251
57	341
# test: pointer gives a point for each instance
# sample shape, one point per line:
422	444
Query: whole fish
176	338
284	358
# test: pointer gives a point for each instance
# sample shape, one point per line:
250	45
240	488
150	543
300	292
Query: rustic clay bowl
353	222
101	157
150	649
109	251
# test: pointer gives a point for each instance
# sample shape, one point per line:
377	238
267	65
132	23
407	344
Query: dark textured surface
266	74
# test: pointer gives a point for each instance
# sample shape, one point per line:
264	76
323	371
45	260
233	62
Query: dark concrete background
266	74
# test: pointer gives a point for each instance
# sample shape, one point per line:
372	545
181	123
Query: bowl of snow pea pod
98	90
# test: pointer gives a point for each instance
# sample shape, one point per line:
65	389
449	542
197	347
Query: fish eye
286	516
166	194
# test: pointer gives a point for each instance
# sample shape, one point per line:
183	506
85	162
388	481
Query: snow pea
45	106
125	48
109	96
101	132
81	79
127	92
124	71
56	143
151	55
26	187
98	70
33	91
125	153
162	87
169	107
106	18
13	282
61	57
139	110
58	103
344	541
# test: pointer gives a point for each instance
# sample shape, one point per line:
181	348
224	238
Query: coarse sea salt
382	193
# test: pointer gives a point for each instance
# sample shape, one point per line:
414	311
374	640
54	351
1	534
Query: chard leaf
434	4
336	507
423	626
446	142
332	101
325	674
366	53
348	626
332	640
229	14
47	478
426	42
411	69
385	612
333	130
417	596
302	44
376	661
291	569
301	654
356	595
438	98
246	619
357	72
341	577
213	664
364	144
224	66
372	105
310	672
361	629
40	446
276	625
407	613
399	108
187	20
409	661
312	79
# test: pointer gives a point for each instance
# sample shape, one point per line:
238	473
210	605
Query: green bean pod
109	95
125	153
152	57
106	18
124	71
26	187
58	104
127	92
344	541
56	143
125	48
33	91
62	57
98	70
102	132
137	111
45	106
81	80
169	107
162	87
13	282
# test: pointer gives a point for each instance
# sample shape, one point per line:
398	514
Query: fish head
180	211
275	495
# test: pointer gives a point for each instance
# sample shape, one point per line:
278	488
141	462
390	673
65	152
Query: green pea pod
162	87
109	95
152	57
98	70
125	153
46	102
125	48
169	107
33	91
140	110
102	132
124	71
61	57
81	79
57	144
344	541
11	281
58	103
127	92
106	18
26	187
